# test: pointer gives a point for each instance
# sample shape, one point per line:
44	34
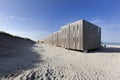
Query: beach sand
24	59
56	63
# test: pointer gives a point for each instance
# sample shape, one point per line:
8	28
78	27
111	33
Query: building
80	35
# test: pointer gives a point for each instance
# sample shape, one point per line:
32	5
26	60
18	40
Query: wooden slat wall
91	36
59	38
68	37
79	35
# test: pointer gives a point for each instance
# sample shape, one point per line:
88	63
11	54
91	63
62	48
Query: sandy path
62	64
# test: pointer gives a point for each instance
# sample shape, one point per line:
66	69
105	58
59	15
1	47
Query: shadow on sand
106	50
21	54
101	50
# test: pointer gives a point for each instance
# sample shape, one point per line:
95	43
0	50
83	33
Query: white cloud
34	35
102	23
25	19
17	18
96	21
11	17
30	20
113	25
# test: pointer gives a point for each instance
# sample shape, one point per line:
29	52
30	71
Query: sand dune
16	53
55	63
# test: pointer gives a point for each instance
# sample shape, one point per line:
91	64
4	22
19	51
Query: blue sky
36	19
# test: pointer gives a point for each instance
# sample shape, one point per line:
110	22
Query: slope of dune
27	60
16	53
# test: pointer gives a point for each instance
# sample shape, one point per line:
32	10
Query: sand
23	59
58	63
16	54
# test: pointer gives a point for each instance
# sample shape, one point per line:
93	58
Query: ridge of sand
16	53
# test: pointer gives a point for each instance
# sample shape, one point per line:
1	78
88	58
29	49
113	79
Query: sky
36	19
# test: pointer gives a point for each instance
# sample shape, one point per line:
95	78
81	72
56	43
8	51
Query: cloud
95	21
25	19
103	23
113	25
11	17
34	35
18	18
